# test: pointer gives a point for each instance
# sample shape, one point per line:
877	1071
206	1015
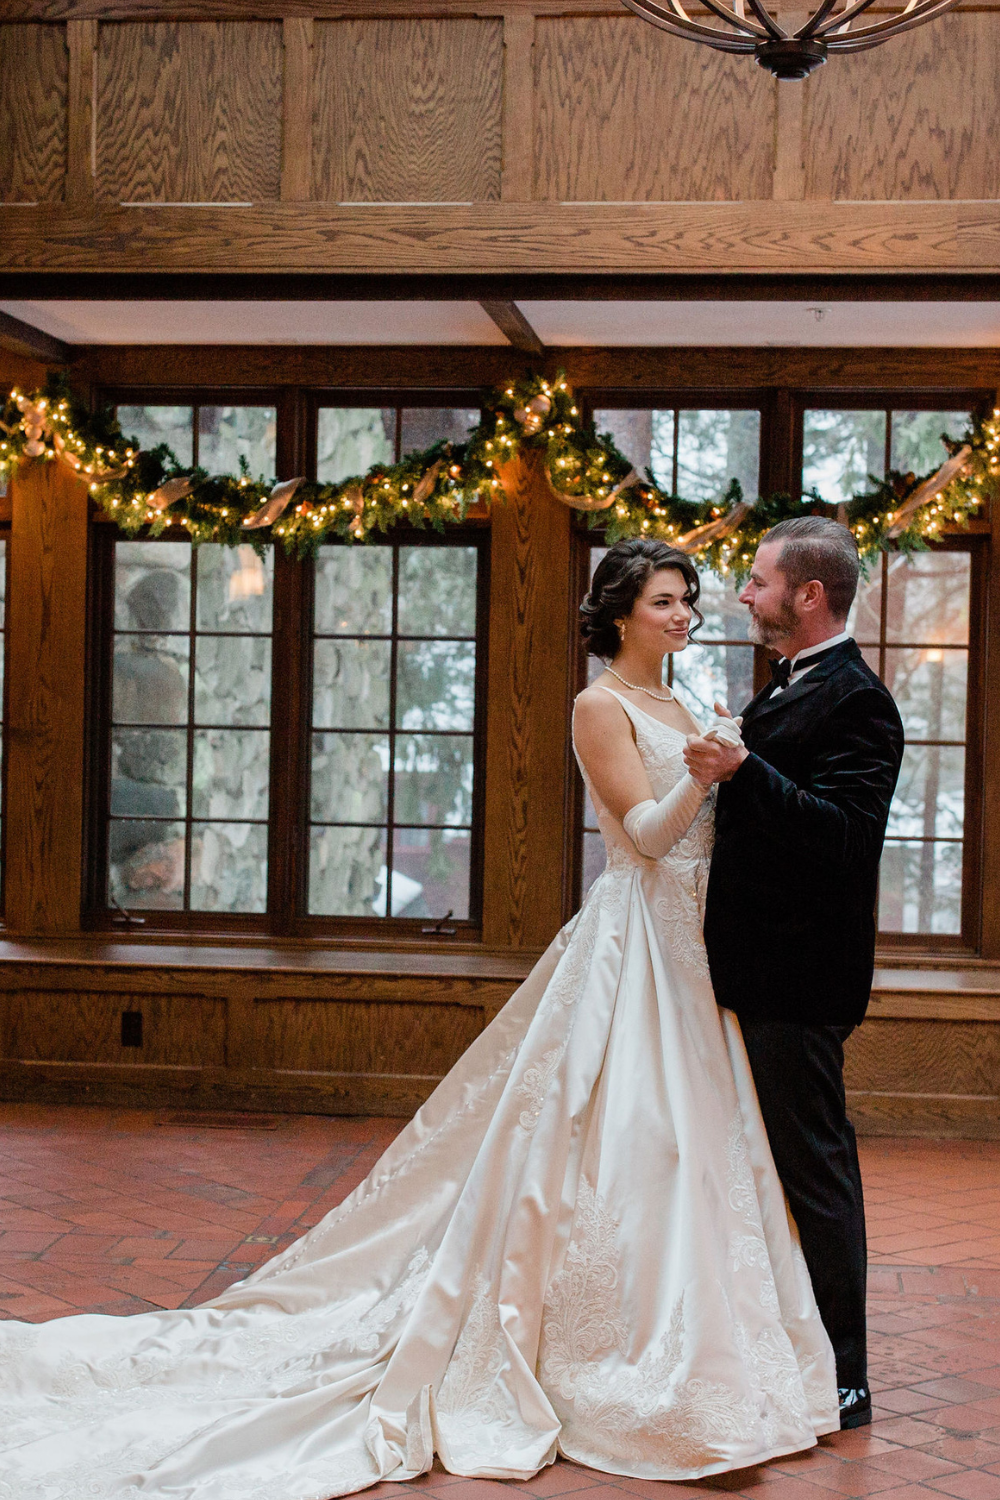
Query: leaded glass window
393	766
190	722
912	621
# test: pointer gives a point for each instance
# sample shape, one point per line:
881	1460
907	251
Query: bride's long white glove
655	827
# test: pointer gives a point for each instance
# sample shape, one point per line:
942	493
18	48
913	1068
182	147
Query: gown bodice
661	750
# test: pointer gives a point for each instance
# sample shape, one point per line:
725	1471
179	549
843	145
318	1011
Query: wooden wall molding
47	630
308	1034
528	703
297	110
257	10
834	238
517	166
24	338
81	151
164	365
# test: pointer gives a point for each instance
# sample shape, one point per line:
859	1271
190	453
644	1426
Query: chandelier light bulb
749	27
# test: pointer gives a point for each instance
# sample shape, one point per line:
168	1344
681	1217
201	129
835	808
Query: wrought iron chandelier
788	54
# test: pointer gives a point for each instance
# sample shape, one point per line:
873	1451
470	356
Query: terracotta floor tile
972	1485
775	1487
135	1215
914	1463
966	1418
862	1442
562	1478
954	1388
911	1432
483	1489
906	1402
858	1478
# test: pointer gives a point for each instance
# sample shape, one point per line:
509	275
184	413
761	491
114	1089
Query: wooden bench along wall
335	1033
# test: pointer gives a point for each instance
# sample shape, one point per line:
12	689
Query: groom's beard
772	629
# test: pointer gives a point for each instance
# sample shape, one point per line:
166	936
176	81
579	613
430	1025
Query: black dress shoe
855	1407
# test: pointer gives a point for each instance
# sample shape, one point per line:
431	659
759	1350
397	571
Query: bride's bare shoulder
597	710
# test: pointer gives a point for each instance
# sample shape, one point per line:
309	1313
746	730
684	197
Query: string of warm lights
149	490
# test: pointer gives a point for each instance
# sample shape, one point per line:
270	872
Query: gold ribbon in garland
150	491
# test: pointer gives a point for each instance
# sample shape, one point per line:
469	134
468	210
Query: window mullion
390	832
189	777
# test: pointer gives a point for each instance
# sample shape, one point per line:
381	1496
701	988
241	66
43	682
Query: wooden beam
517	175
297	110
264	10
81	146
47	630
162	366
654	238
536	286
24	338
514	326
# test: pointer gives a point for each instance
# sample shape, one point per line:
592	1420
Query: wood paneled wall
34	82
44	733
407	110
244	1033
917	119
189	112
235	1036
465	107
624	113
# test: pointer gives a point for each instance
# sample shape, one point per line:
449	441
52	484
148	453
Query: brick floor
120	1211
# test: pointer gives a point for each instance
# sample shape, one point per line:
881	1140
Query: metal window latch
439	929
126	916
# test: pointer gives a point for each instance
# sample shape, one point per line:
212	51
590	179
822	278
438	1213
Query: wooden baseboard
969	1117
267	1090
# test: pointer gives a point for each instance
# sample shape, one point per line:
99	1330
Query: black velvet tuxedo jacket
790	919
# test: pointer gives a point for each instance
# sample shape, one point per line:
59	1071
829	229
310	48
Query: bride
578	1246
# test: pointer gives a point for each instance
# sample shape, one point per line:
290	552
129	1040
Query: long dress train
579	1246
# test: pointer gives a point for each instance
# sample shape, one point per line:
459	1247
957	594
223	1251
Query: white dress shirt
801	663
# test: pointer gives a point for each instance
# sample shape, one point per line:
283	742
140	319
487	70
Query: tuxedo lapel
767	703
756	703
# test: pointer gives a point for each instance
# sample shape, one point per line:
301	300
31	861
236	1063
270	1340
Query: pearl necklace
667	697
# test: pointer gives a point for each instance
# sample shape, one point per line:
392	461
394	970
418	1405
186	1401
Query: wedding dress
579	1246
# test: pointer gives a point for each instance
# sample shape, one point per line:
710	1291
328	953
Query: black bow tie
781	670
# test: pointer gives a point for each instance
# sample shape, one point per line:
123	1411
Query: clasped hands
717	754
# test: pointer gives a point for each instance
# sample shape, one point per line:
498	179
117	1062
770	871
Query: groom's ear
812	595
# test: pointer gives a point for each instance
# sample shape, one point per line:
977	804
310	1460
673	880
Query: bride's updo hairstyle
619	579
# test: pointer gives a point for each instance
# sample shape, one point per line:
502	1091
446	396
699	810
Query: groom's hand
712	760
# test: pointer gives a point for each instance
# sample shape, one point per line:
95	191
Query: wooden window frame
965	943
288	820
5	537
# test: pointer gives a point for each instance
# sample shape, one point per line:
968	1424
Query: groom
790	920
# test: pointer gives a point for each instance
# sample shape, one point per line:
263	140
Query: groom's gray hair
813	547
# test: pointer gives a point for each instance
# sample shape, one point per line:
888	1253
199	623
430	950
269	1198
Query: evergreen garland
149	490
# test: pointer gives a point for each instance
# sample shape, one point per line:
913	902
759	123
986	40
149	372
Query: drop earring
621	630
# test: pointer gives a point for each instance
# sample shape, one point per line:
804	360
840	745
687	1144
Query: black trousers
799	1074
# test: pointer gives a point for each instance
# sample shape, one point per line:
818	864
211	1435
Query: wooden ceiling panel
624	113
918	118
189	112
33	112
408	111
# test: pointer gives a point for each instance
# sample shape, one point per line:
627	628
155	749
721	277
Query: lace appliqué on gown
608	1406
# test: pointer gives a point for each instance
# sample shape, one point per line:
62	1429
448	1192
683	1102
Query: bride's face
661	616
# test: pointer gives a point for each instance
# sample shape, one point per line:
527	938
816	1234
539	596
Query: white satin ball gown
578	1246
